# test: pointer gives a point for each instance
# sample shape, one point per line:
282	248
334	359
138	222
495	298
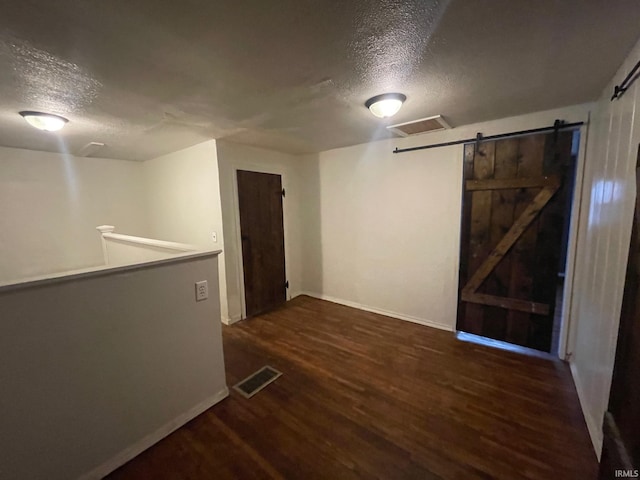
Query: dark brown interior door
621	446
262	234
513	215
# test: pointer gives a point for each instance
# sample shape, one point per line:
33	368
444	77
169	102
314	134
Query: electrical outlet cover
202	290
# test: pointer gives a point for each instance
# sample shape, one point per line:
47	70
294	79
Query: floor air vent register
257	381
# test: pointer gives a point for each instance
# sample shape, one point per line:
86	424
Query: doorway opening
262	238
516	213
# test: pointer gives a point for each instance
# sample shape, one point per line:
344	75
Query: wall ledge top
101	271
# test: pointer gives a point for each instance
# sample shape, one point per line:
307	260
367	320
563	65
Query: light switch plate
202	290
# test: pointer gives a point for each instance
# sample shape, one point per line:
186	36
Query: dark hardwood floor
367	396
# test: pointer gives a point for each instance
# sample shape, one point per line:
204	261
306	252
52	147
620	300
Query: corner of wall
380	311
171	182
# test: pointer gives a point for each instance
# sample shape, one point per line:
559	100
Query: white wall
603	245
390	223
96	368
183	201
233	157
51	204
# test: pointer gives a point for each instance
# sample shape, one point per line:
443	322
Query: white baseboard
230	321
595	429
380	311
141	445
295	294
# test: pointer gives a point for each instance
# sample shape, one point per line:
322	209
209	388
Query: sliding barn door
511	237
262	234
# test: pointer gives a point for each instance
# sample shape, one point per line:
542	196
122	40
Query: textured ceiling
148	77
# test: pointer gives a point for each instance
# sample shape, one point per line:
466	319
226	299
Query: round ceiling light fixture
385	105
44	121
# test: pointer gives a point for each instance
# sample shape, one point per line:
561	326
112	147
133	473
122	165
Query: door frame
258	168
566	341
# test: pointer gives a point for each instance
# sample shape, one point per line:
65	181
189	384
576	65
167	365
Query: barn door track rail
556	127
631	77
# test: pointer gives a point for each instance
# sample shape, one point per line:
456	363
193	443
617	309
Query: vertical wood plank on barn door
483	168
502	208
465	234
530	164
557	161
262	234
515	300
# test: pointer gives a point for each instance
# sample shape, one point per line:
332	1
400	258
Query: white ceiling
148	77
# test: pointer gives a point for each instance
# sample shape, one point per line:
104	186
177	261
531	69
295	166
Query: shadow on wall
311	225
228	206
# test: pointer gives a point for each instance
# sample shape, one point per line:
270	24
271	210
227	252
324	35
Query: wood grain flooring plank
363	396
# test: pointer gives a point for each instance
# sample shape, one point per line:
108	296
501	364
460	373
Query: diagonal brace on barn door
469	291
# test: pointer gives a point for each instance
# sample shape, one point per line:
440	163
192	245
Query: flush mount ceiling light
44	121
385	105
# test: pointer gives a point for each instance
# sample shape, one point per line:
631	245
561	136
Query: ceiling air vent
417	127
